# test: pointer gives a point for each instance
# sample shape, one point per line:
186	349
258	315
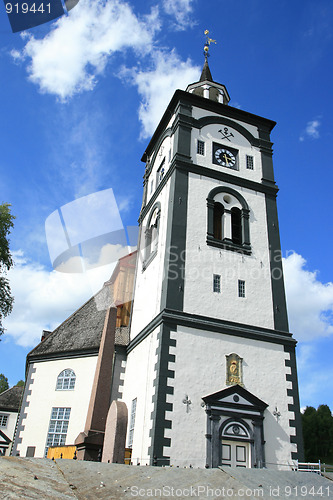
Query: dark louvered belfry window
218	213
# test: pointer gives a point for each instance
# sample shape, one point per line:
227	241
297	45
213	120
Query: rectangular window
241	288
30	451
3	420
217	283
201	148
160	172
132	423
58	428
249	162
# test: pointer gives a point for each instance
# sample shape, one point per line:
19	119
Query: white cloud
311	130
310	302
157	85
68	59
181	10
44	299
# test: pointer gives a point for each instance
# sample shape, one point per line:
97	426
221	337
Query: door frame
235	404
236	430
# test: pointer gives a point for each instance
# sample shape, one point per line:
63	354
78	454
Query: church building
202	355
211	372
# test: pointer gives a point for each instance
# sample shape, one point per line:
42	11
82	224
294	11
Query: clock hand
226	159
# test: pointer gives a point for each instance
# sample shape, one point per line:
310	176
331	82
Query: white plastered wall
148	285
202	261
200	370
44	397
139	378
201	113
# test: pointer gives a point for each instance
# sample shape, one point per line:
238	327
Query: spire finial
207	44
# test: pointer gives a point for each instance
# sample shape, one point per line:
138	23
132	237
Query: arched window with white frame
228	220
66	380
151	234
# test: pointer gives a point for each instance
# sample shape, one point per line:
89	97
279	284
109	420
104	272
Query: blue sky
80	99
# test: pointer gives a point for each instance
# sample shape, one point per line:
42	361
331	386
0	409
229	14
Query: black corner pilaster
158	416
295	406
175	245
258	460
278	291
266	157
182	129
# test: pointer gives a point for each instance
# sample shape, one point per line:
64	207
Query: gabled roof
10	400
82	331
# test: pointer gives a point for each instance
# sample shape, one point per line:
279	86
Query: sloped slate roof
10	400
122	335
82	331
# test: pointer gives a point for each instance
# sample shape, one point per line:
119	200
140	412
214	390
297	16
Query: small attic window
201	148
249	162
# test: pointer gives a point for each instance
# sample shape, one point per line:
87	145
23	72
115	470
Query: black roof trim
201	102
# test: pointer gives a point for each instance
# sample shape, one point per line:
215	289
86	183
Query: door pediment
237	398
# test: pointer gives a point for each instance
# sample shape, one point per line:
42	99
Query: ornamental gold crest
234	369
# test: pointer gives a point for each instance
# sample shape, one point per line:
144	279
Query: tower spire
206	87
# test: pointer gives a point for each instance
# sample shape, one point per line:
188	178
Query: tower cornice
264	125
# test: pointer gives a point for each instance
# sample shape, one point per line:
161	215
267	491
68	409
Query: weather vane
207	44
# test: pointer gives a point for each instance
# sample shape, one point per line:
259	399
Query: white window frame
132	423
58	427
160	173
201	147
4	420
249	162
216	283
66	380
241	289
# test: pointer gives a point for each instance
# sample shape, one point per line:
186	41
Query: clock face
225	157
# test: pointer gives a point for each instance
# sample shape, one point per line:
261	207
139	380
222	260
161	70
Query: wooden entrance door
235	453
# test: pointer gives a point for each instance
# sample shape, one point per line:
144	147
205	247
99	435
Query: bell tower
211	372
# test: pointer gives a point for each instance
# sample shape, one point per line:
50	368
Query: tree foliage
3	383
20	383
6	262
318	433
